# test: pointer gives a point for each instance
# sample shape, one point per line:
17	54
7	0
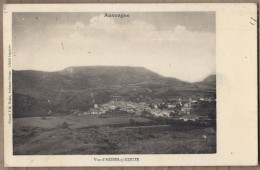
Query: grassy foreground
85	135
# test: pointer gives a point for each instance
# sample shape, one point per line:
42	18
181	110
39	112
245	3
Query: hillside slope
36	92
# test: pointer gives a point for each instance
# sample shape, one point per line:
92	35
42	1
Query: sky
173	44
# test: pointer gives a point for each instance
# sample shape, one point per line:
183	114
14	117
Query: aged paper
130	85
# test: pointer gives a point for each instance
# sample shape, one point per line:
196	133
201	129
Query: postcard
130	84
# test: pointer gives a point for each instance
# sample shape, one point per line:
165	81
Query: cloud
180	53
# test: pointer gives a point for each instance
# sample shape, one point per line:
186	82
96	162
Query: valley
112	110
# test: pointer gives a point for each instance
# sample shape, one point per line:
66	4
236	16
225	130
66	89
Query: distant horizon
115	66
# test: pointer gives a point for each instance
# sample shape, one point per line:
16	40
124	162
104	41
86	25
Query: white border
236	55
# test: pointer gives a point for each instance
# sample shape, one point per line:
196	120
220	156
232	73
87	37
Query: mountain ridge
81	87
67	69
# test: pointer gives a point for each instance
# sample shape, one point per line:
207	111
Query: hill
82	77
208	84
210	79
36	92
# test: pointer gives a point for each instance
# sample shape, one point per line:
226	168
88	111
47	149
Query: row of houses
124	106
157	108
129	107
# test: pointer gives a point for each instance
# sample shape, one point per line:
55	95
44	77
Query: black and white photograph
104	83
130	85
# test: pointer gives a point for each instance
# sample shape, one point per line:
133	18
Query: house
165	113
130	111
189	117
76	111
188	104
86	113
186	110
94	113
156	113
210	100
194	102
113	107
95	106
179	102
171	106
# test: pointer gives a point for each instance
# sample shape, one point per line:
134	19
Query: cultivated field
108	135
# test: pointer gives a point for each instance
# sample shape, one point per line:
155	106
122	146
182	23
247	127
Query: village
179	109
143	125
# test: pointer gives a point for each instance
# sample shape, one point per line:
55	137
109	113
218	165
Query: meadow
87	135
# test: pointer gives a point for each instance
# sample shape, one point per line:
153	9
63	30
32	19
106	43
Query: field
74	122
108	135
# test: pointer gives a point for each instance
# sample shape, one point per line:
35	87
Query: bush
65	124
